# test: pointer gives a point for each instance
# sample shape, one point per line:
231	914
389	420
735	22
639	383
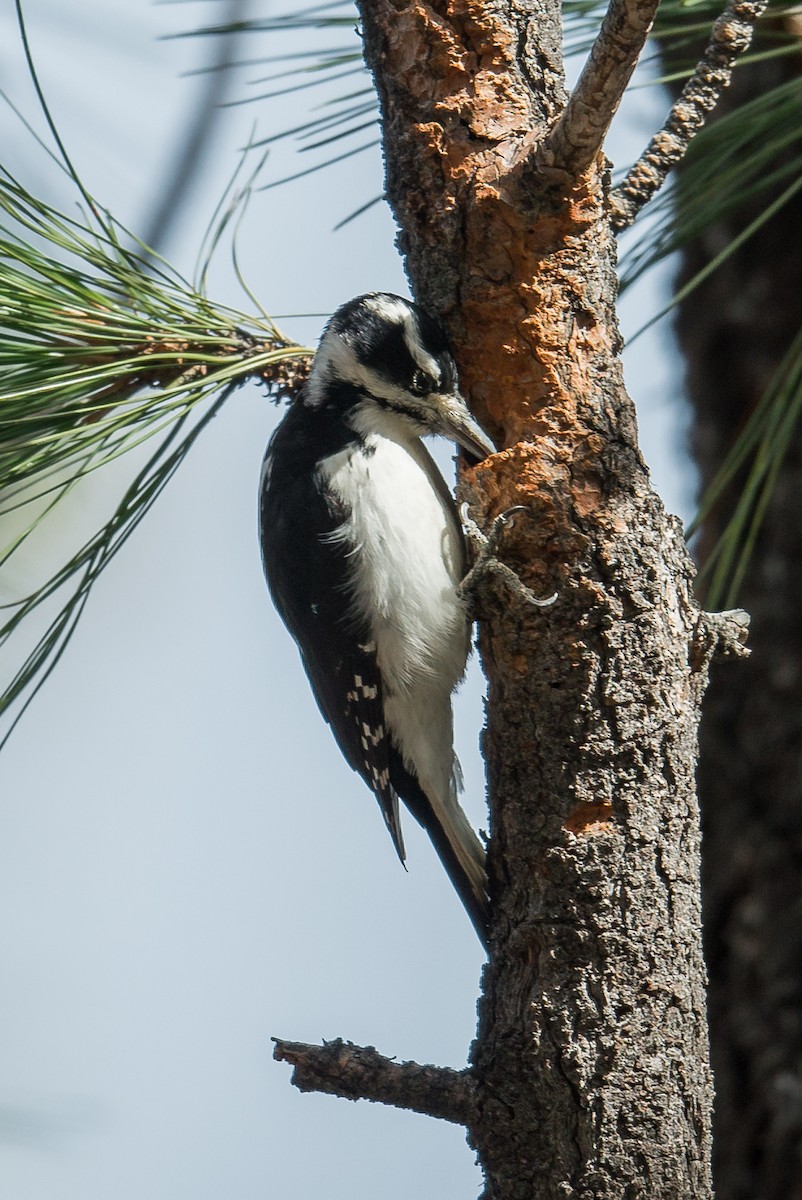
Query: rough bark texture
340	1068
591	1057
730	37
577	137
734	331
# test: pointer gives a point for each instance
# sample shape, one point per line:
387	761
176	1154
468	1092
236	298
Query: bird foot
486	561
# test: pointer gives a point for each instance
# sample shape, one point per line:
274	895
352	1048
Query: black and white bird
364	553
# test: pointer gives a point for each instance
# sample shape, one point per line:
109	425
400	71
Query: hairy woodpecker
364	553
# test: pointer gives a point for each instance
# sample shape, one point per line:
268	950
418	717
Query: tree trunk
591	1059
734	330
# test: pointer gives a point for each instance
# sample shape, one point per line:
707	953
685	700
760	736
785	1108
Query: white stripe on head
391	309
396	311
335	359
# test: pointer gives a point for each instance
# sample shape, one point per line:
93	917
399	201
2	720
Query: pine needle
102	348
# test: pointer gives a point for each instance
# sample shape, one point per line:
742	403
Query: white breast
407	560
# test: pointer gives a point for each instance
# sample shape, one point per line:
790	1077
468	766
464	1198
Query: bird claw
487	561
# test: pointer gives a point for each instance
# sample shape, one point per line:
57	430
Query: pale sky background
187	866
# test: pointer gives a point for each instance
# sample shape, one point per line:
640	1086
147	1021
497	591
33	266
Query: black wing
308	573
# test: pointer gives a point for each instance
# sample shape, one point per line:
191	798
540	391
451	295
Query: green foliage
753	153
334	120
100	349
758	454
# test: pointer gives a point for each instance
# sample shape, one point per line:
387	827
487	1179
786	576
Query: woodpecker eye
421	383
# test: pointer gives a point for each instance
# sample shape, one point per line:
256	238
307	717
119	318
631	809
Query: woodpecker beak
458	424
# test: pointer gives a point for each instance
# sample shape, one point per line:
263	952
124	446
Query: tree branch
340	1068
731	36
579	133
286	377
720	636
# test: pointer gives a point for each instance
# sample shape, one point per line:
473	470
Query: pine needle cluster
102	346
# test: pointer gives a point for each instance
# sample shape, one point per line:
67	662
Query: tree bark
591	1057
734	331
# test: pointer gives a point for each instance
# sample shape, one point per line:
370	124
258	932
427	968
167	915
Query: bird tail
458	847
463	856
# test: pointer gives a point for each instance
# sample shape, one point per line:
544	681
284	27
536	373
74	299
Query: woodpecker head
385	364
